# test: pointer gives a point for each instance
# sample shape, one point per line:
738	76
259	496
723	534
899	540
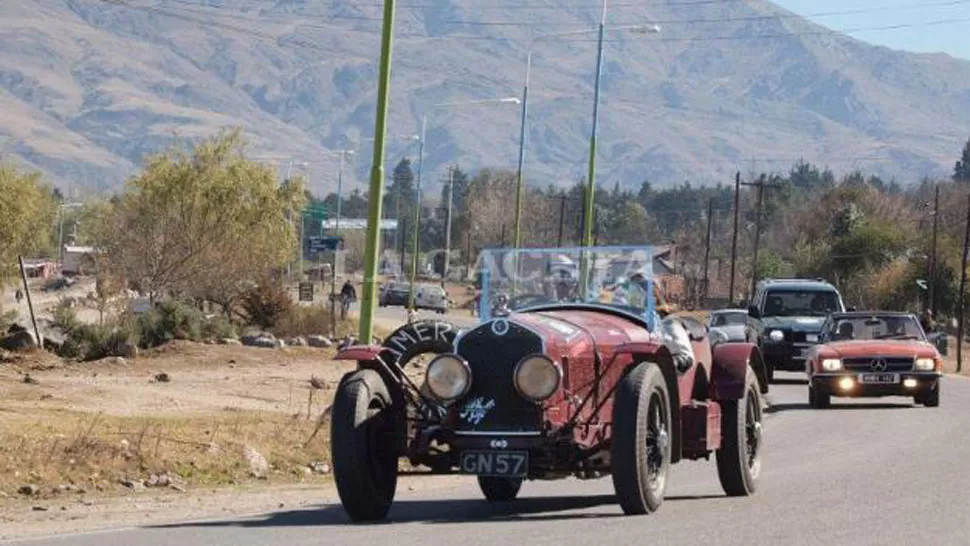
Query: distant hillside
88	87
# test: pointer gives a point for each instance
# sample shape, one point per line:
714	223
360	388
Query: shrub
312	320
267	304
168	321
218	327
94	342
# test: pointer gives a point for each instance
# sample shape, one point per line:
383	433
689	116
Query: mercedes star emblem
878	365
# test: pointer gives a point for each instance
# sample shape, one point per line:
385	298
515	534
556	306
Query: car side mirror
754	312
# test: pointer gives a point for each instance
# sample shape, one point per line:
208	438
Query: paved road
883	472
392	317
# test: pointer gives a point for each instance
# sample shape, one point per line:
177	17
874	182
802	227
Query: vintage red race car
872	354
558	389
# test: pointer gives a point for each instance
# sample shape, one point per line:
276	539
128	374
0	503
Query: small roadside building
40	268
77	260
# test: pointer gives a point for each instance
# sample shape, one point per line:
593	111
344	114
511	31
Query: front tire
818	398
931	399
499	489
739	458
363	437
640	451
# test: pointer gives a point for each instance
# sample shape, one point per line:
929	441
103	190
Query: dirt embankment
81	440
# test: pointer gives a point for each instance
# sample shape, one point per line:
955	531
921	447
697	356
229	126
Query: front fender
360	353
659	355
730	368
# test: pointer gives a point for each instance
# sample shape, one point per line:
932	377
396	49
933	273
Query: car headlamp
448	377
537	377
776	336
925	364
831	364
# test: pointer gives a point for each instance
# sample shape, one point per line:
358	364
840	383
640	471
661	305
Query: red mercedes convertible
872	354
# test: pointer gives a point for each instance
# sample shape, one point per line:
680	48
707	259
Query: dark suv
788	315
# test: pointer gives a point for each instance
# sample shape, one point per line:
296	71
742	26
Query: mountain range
89	87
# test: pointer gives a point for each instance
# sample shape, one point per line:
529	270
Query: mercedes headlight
925	364
831	364
537	377
448	377
776	336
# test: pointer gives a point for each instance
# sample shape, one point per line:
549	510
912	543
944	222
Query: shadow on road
791	381
529	509
779	408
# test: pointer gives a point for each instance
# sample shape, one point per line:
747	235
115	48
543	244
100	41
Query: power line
557	6
277	39
746	18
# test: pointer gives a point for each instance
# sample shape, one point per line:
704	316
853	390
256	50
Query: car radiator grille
865	364
492	359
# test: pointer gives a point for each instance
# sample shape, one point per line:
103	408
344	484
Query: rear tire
739	458
642	434
499	489
363	437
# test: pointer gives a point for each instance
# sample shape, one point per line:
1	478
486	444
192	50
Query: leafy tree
205	224
399	199
27	209
961	172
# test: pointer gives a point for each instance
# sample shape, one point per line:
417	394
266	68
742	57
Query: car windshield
873	327
801	303
727	319
618	277
400	286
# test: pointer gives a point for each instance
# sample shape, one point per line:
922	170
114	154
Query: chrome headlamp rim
556	368
464	365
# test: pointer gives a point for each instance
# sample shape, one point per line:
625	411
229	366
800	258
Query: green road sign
317	211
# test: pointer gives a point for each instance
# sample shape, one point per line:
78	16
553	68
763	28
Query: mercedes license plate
879	378
495	463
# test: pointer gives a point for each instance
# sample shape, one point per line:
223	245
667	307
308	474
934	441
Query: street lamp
525	110
60	228
340	175
417	209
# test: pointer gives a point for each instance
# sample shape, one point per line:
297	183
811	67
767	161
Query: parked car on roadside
735	324
432	297
395	293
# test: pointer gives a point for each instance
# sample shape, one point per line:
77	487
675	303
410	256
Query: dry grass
95	453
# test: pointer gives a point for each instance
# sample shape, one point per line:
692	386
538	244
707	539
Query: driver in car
676	338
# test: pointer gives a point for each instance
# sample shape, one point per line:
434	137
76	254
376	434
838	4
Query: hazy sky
948	38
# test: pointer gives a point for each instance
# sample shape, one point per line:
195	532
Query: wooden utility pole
562	217
936	223
734	237
761	184
403	226
30	303
707	248
963	288
468	249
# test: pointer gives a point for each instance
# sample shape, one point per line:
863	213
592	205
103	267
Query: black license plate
495	463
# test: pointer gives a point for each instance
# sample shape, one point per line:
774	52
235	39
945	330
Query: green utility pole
369	290
591	180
